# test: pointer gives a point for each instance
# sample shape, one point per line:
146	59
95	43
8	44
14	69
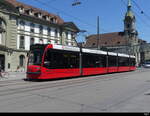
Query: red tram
57	61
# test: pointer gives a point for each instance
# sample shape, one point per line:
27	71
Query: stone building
127	40
22	25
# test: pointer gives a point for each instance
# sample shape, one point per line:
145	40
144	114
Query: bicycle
4	74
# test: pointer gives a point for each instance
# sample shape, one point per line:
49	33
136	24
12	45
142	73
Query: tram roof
69	48
94	51
123	55
77	49
85	50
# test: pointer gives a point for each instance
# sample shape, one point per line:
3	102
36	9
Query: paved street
119	92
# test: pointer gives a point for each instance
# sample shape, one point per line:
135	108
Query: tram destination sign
37	46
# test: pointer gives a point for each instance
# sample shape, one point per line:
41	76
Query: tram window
61	59
93	60
112	61
123	61
103	60
70	60
47	59
88	60
132	62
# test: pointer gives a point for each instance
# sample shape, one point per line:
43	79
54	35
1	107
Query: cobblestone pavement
118	92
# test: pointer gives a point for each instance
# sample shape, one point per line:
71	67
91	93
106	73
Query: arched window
21	60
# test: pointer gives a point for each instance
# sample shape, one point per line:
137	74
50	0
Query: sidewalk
14	76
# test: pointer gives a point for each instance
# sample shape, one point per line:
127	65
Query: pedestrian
18	67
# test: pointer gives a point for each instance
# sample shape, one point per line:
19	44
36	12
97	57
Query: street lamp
76	2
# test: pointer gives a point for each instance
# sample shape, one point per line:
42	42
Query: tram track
16	87
22	81
81	79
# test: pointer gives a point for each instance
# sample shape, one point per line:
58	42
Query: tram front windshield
35	57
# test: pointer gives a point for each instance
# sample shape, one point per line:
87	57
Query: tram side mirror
47	63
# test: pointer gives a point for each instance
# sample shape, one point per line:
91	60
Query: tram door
2	61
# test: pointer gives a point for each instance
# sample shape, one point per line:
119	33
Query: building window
21	60
118	42
38	14
0	38
41	29
22	41
31	41
49	31
21	9
72	36
93	44
32	28
8	65
30	12
128	25
0	23
66	35
53	20
2	30
56	33
22	25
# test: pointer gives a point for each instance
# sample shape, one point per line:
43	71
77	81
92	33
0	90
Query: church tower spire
129	3
129	22
129	13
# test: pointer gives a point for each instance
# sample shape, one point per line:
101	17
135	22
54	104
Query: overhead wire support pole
98	34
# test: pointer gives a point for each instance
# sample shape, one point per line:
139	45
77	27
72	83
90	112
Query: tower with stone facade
129	26
130	32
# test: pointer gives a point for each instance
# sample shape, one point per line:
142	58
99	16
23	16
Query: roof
26	7
107	39
71	25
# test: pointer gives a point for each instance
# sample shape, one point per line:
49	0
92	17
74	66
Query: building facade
126	41
22	25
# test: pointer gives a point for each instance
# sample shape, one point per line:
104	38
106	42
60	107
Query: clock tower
129	27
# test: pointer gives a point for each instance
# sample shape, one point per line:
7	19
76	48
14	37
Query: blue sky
111	13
